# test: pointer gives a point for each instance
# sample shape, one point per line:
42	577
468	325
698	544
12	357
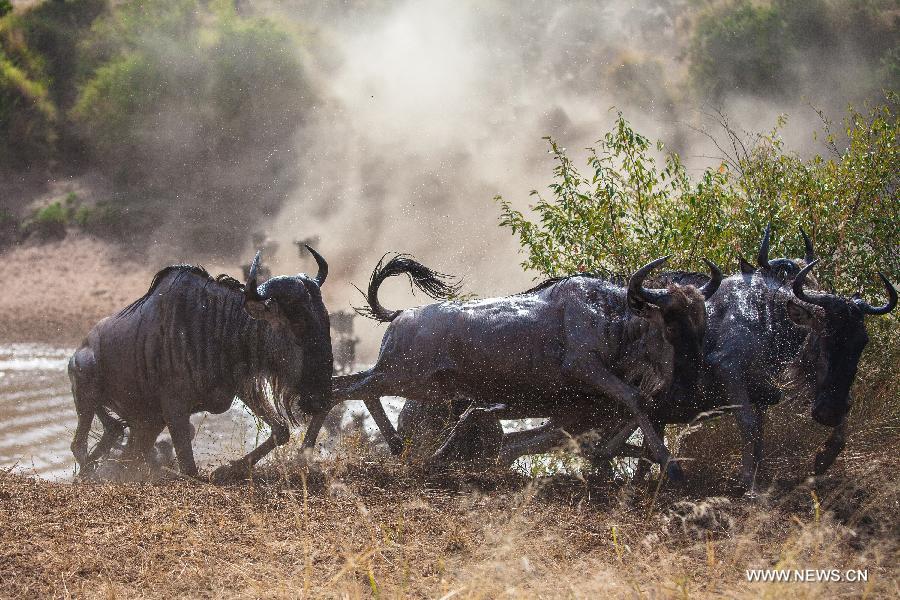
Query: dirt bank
371	529
54	292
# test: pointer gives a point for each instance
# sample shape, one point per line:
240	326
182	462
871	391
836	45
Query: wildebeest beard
315	382
797	380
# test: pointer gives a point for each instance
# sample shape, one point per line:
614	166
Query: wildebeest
764	340
192	343
766	337
574	343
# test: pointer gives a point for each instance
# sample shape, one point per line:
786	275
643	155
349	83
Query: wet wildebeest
570	345
192	343
767	338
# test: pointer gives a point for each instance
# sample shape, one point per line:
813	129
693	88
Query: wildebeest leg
643	466
366	386
394	441
82	376
113	430
750	423
534	441
180	431
543	439
615	444
80	441
314	427
610	386
280	434
832	447
140	443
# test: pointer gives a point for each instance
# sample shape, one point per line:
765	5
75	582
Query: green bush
48	222
105	219
766	48
631	208
184	99
40	65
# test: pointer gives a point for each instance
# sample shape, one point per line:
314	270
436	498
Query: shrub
9	228
771	48
195	109
105	219
48	222
40	64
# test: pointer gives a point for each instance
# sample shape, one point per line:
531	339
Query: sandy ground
363	527
55	292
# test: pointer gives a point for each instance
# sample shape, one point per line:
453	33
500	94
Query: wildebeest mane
224	280
551	281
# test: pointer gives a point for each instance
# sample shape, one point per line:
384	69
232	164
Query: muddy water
37	417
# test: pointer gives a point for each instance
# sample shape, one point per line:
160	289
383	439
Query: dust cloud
430	109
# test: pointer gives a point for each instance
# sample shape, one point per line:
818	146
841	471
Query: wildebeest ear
266	310
801	315
639	307
746	267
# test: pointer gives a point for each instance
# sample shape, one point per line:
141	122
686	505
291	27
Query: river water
37	417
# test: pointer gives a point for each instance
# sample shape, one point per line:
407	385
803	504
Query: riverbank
54	292
363	527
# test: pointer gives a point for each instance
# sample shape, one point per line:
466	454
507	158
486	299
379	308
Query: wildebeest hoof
396	446
674	472
824	460
229	472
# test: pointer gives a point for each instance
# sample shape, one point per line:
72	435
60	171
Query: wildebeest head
679	309
295	303
780	269
836	340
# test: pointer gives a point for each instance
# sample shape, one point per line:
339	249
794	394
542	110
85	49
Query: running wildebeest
192	343
767	337
574	342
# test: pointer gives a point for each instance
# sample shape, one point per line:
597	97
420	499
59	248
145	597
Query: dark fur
188	345
437	286
568	345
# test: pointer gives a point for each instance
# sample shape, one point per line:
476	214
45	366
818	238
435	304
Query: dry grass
360	527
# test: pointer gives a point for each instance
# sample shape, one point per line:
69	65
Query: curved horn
798	285
807	243
250	292
762	259
715	280
745	266
881	310
636	287
323	266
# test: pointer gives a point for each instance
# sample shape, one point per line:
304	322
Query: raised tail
436	285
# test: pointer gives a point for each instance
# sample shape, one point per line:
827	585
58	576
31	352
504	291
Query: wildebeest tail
436	285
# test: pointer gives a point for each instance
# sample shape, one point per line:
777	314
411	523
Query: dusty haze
432	108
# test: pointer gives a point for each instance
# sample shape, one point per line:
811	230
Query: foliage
188	107
193	108
633	207
40	64
763	48
27	116
48	222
